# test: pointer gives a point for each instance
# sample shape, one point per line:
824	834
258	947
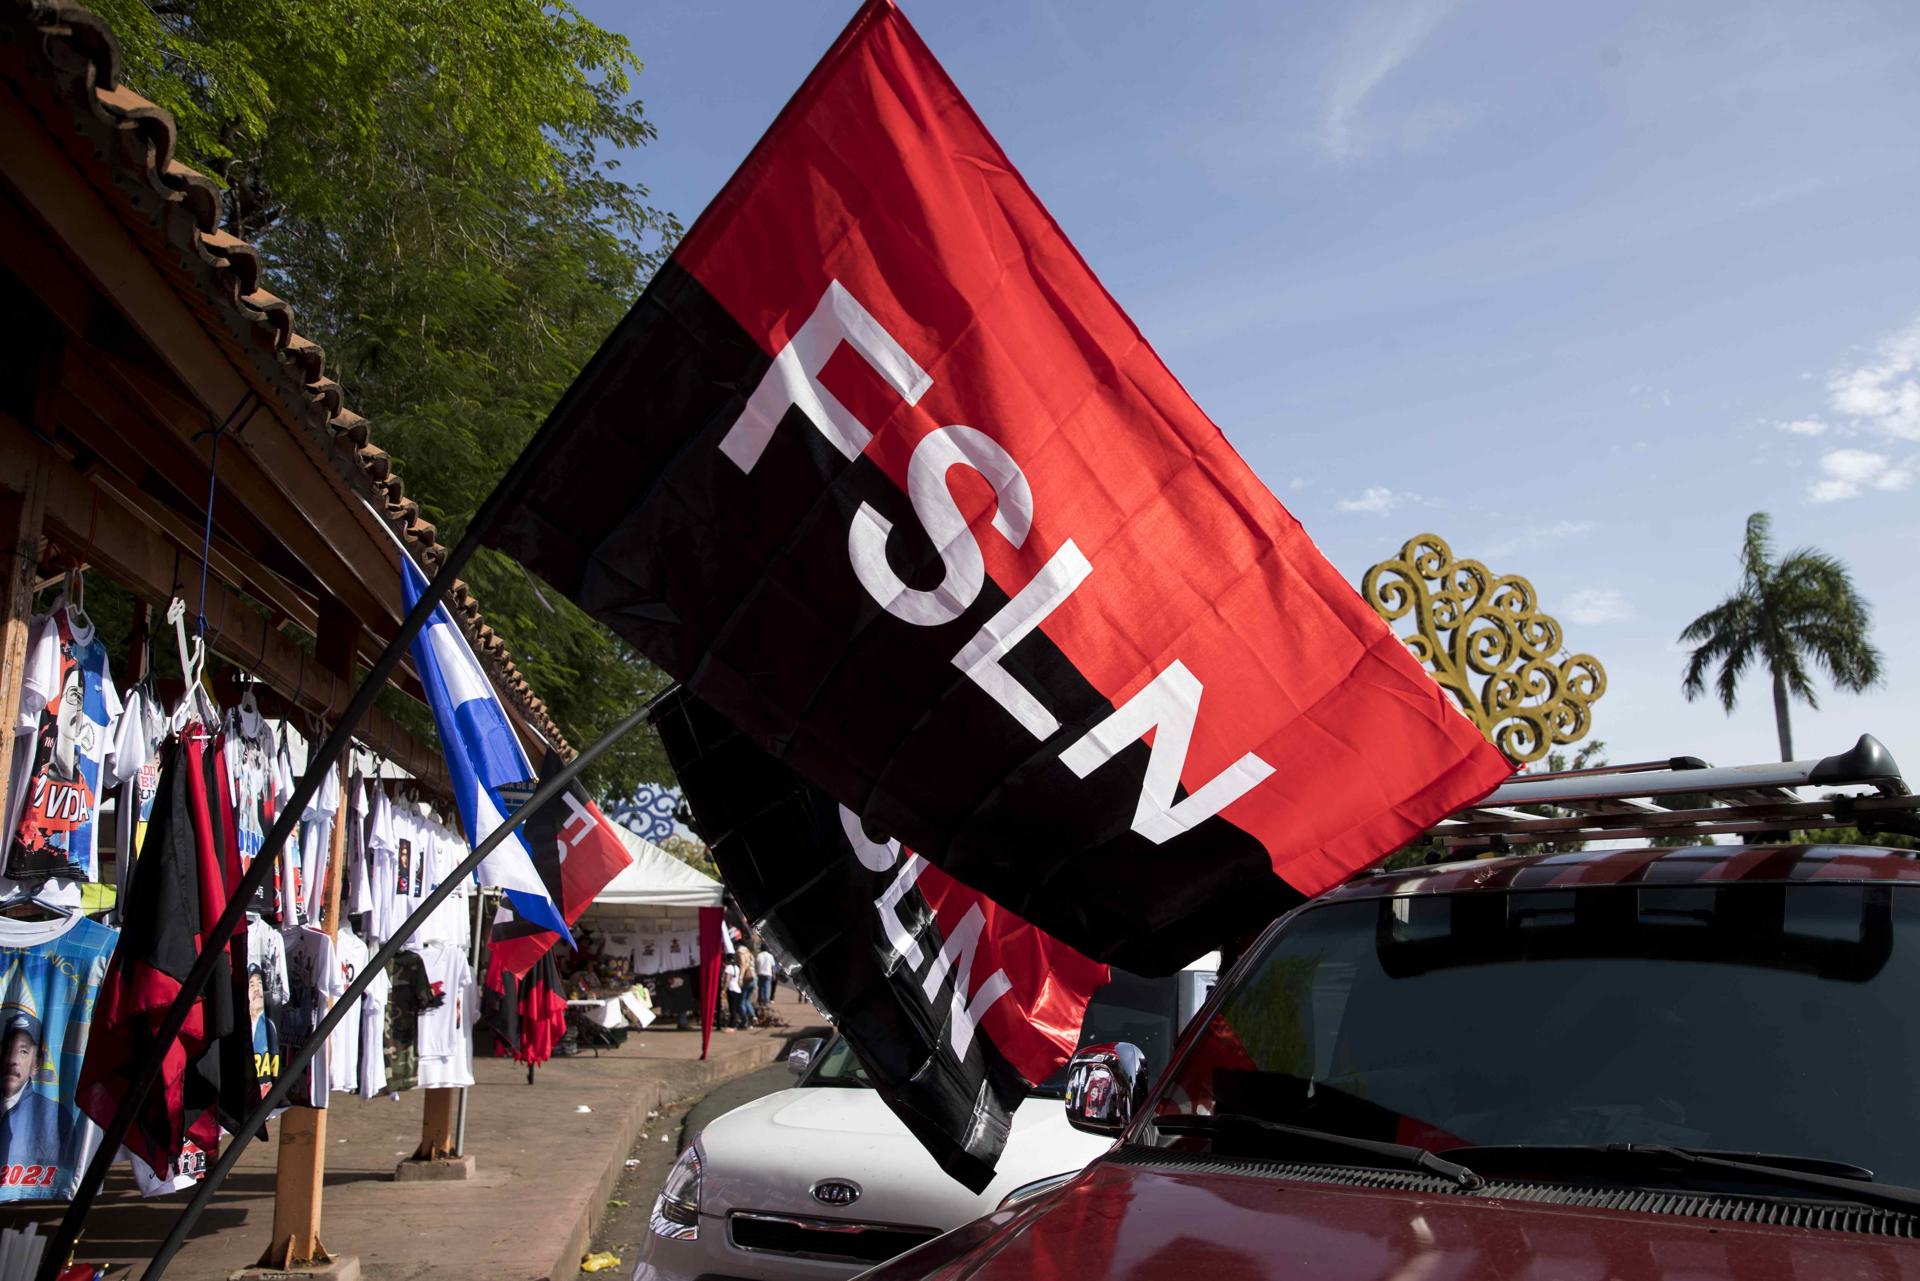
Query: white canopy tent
655	879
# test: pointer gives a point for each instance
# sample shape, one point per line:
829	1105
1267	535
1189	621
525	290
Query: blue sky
1575	287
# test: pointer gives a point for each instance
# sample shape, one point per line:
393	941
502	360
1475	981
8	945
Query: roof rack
1685	796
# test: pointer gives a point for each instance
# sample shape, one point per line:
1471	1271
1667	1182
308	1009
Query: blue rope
213	481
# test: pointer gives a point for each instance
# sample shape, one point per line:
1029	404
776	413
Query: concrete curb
723	1065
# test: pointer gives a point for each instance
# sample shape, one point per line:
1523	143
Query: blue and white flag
484	756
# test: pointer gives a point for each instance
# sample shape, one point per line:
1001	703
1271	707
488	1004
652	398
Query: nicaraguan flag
483	755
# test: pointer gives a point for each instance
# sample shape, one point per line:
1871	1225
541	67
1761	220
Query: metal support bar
295	1063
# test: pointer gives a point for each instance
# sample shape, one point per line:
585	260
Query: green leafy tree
427	184
1854	836
693	853
1789	613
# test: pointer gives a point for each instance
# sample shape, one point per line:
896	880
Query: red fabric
594	856
160	937
711	955
1037	1024
543	1018
880	177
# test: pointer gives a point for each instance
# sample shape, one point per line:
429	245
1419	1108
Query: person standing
763	968
732	973
744	960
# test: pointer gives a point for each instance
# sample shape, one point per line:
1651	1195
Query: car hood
1143	1223
768	1154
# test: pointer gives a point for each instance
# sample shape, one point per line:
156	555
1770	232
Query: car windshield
836	1065
1745	1017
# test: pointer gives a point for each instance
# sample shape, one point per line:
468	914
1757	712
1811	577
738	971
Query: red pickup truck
1625	1064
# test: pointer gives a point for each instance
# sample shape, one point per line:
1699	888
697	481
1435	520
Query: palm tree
1786	612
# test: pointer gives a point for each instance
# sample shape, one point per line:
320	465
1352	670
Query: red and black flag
955	1006
163	919
576	852
882	473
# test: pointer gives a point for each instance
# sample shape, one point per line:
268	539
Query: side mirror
800	1056
1105	1083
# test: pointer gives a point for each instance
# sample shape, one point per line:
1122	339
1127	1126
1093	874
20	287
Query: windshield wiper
1850	1182
1401	1154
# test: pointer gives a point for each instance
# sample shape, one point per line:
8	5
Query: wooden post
300	1176
22	515
437	1125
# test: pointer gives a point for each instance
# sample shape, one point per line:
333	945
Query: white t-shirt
382	866
763	964
446	1033
250	752
67	703
373	1035
316	845
343	1047
133	766
316	982
733	976
359	896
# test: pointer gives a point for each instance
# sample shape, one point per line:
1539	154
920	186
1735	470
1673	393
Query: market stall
644	929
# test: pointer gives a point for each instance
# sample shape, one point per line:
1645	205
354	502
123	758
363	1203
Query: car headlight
1039	1187
676	1214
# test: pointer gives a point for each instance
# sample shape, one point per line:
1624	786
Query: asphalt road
624	1230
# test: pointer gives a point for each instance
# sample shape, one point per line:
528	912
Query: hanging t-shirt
133	766
373	1027
50	975
451	921
358	898
316	846
411	995
446	1031
343	1046
315	975
384	866
66	683
250	751
269	988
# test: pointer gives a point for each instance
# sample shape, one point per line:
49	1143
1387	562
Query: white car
819	1182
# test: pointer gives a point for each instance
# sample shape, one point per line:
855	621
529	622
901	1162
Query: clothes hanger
75	593
25	906
192	658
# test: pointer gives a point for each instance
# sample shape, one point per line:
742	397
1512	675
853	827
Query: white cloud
1378	500
1805	427
1525	540
1849	473
1883	395
1377	48
1591	606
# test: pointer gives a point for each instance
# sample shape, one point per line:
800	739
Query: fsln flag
882	473
955	1006
483	755
575	851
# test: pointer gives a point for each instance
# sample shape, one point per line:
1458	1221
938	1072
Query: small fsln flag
576	852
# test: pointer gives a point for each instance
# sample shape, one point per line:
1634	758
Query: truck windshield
1766	1018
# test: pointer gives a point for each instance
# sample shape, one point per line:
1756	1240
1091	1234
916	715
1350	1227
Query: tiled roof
75	53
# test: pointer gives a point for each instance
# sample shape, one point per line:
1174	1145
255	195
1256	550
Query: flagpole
293	1064
213	948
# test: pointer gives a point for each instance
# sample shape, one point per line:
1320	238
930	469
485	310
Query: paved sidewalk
544	1173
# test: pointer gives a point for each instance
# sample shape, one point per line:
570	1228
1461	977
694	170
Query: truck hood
1144	1224
768	1154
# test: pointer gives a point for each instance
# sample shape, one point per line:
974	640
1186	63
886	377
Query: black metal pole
292	1066
213	950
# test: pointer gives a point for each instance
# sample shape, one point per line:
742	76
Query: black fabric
782	851
739	585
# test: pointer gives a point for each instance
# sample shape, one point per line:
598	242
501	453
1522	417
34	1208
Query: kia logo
836	1191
